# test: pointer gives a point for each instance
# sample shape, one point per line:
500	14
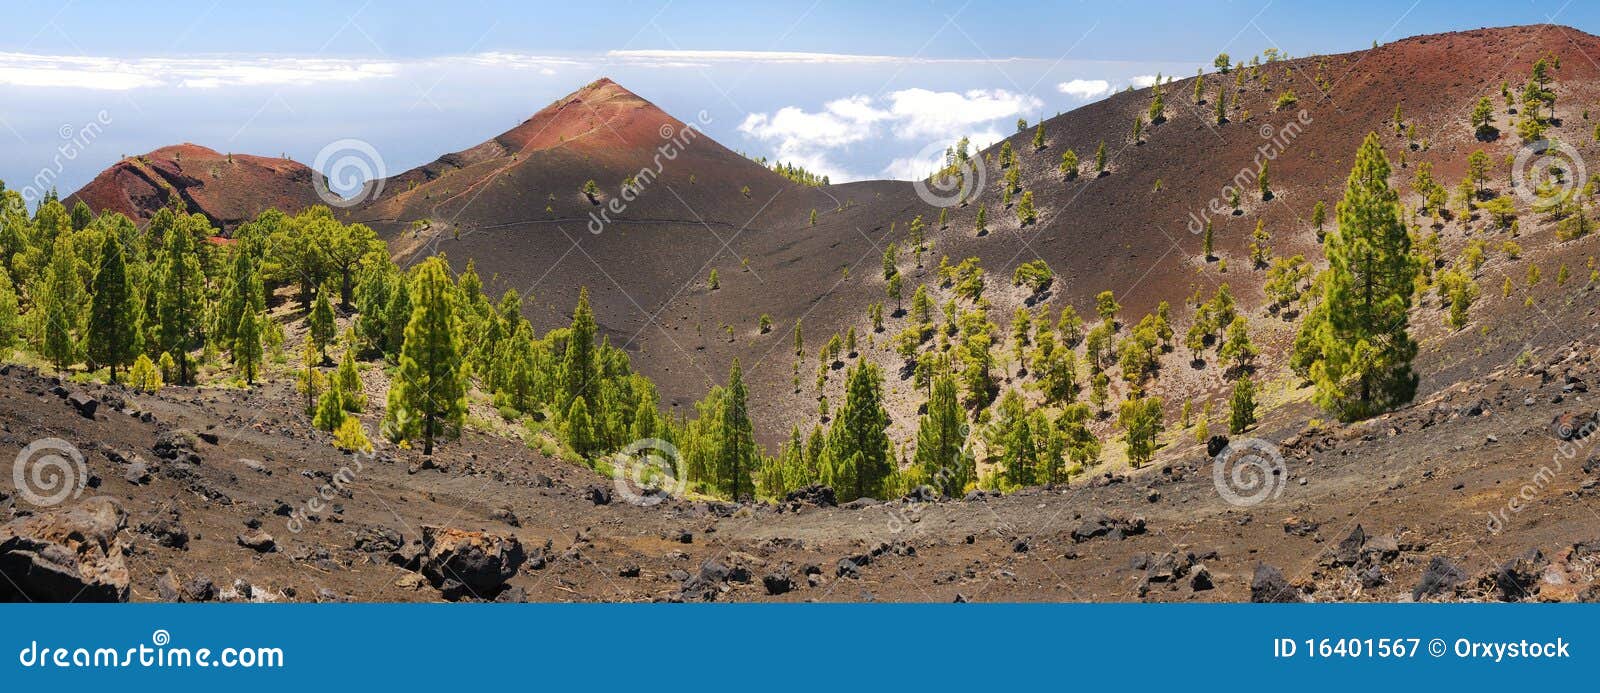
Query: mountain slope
227	188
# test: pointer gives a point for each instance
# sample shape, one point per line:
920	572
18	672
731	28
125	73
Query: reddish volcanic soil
227	188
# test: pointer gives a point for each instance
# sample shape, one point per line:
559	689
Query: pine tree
427	398
1242	405
322	323
579	367
1100	159
736	455
1208	242
113	333
243	293
10	321
941	440
247	346
860	434
144	376
579	429
1141	421
61	306
348	380
1357	346
1026	214
330	409
181	298
396	316
351	436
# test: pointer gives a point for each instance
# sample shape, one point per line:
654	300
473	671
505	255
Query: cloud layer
938	118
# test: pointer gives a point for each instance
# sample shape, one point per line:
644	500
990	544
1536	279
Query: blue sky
856	90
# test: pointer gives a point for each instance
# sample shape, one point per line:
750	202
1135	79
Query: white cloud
807	137
1085	88
112	74
1142	81
703	58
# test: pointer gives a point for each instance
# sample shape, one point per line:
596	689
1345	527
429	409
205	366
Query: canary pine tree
859	437
60	306
735	455
941	439
247	346
428	397
113	330
1356	344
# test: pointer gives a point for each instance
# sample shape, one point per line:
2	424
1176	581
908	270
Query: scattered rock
599	495
85	404
137	473
176	444
1573	425
1102	525
378	539
1269	586
1216	445
1200	579
1441	576
73	554
1518	578
1299	527
257	539
777	583
464	563
505	515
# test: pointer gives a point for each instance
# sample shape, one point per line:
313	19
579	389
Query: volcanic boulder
466	563
66	555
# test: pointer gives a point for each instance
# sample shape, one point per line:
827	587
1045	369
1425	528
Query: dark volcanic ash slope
227	188
1129	231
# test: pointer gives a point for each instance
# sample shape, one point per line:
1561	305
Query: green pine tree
113	330
428	396
1355	343
181	300
859	434
942	439
247	346
735	454
61	306
10	321
322	324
